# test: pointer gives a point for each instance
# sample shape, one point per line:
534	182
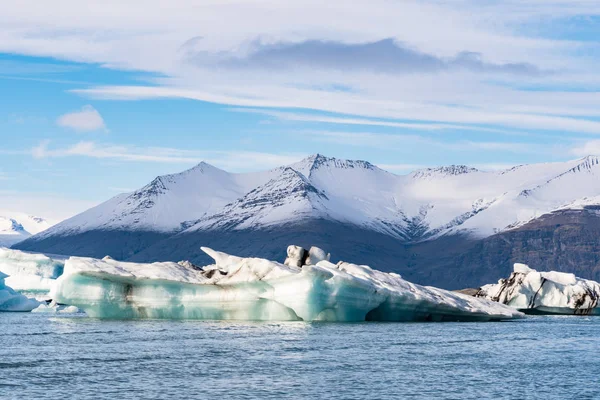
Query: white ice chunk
522	268
10	300
315	255
545	292
258	289
295	256
30	274
54	308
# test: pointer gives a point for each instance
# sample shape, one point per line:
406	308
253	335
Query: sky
99	97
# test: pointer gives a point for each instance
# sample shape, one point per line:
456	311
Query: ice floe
54	308
31	274
308	288
544	292
10	300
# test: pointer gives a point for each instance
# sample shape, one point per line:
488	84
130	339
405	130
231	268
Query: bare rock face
565	241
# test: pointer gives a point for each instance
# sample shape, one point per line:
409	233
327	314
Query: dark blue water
55	357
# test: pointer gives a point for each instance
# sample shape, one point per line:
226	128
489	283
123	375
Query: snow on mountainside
285	197
167	203
423	205
15	227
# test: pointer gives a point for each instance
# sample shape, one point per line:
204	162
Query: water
53	357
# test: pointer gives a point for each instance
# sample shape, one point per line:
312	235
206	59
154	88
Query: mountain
450	226
16	227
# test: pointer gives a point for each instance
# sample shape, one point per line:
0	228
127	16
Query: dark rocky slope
567	241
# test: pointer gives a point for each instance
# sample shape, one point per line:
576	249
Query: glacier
550	292
307	287
10	300
31	274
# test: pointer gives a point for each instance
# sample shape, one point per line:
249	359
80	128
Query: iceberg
31	274
10	300
551	292
309	288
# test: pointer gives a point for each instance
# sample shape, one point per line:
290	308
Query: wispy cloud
422	62
402	141
88	119
348	120
13	67
231	160
474	105
117	152
306	117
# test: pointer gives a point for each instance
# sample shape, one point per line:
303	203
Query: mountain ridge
174	211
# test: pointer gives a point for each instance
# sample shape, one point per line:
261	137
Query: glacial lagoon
58	356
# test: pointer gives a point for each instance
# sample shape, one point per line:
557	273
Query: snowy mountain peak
153	189
38	220
586	164
161	183
318	161
287	196
15	227
449	170
286	188
293	181
202	168
10	226
424	204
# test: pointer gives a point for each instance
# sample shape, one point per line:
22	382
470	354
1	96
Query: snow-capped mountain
419	206
15	227
207	203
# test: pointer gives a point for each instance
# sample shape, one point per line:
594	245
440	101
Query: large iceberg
308	288
10	300
545	292
31	274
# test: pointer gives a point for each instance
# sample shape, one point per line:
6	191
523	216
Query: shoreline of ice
533	292
306	287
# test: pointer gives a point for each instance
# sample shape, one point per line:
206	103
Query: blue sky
98	98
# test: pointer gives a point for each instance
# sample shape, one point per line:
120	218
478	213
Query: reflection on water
77	357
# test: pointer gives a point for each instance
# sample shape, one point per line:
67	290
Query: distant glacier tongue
237	288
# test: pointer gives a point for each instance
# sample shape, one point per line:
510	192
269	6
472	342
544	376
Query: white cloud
591	147
117	35
304	117
230	160
403	141
87	119
466	103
